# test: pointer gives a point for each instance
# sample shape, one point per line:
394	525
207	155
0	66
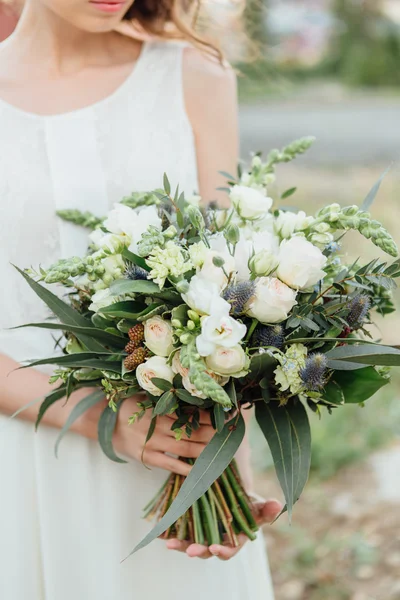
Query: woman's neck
43	40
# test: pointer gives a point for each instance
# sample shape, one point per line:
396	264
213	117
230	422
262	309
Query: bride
87	115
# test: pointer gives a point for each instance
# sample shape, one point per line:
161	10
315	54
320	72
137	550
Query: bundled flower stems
219	310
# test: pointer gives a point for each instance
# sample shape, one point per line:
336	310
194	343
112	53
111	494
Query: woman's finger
178	545
228	552
153	458
266	512
198	551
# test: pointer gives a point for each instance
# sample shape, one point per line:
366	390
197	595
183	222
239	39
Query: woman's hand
265	512
129	440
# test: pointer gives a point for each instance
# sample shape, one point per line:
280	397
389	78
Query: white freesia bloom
228	361
249	203
158	336
101	299
272	301
198	253
219	329
110	241
287	223
203	296
156	366
130	224
300	263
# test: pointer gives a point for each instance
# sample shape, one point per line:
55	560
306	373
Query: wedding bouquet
212	309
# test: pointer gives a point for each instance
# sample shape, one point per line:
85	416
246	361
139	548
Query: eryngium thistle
358	310
134	272
269	336
313	373
238	296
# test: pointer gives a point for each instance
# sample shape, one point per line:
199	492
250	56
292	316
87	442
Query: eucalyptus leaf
211	463
123	310
135	259
219	417
66	314
366	205
69	360
49	400
287	431
162	384
78	410
85	334
166	405
105	430
367	354
357	387
185	396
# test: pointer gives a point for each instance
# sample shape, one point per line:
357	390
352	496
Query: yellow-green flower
167	262
287	374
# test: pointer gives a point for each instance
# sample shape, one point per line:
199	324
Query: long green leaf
63	311
367	354
70	360
77	412
287	431
49	401
141	286
105	429
354	388
366	205
84	334
211	463
128	309
344	365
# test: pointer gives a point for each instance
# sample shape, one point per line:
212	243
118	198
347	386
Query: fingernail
214	551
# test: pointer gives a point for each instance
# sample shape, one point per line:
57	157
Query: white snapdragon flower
219	329
129	224
287	223
301	263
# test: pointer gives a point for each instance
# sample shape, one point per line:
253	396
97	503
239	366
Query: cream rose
300	263
177	366
156	366
272	301
249	203
188	385
158	336
228	361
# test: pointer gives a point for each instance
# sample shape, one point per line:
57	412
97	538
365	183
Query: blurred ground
344	543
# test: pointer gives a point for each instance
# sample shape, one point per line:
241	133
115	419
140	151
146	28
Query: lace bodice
87	159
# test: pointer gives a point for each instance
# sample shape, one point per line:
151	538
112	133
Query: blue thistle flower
269	336
358	308
313	373
238	296
134	272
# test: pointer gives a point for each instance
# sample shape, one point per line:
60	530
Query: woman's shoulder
205	70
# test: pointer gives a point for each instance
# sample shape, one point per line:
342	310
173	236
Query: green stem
237	513
242	498
210	526
252	327
227	525
198	529
156	498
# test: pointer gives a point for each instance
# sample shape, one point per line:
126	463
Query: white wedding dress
66	524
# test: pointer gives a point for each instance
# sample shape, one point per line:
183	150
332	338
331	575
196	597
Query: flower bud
232	234
191	325
256	162
313	373
218	261
194	316
263	263
170	232
185	338
195	217
176	323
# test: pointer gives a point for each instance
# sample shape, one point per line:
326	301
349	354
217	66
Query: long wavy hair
174	19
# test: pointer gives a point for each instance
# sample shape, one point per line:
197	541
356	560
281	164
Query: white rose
249	203
156	366
177	366
300	263
101	299
272	301
188	385
228	361
219	329
202	296
158	336
287	223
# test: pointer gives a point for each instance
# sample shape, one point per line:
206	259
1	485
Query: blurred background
328	68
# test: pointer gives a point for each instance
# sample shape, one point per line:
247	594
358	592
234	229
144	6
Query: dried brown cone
135	359
136	334
130	347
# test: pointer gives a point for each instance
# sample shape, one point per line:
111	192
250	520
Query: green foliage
77	217
105	429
